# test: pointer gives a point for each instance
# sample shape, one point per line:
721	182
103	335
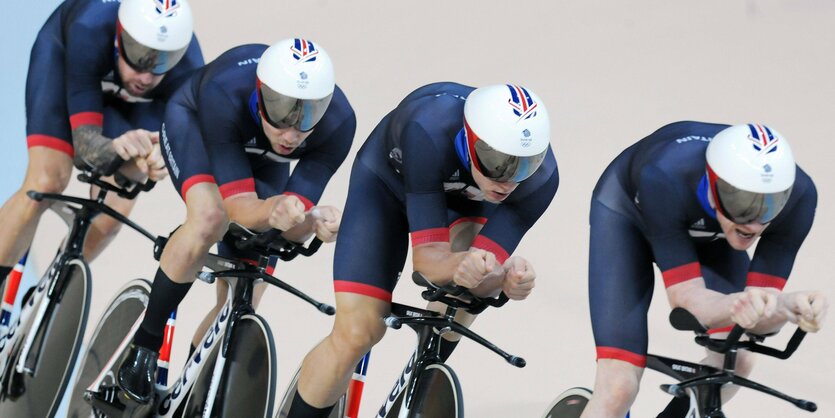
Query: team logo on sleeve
521	101
166	7
304	50
762	139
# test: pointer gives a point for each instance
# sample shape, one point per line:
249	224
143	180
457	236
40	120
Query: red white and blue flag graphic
304	50
166	7
762	139
521	101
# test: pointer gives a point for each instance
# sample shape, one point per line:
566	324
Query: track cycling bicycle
427	387
699	383
231	373
38	351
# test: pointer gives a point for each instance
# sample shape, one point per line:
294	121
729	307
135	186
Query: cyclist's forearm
711	308
249	211
436	261
94	151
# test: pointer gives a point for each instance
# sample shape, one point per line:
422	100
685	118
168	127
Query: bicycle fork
8	305
355	389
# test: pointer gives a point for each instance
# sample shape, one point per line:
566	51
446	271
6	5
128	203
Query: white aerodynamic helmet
751	172
508	131
295	84
153	35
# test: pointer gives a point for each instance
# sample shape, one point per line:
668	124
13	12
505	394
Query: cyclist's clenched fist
287	212
326	222
519	278
474	268
807	309
752	306
136	143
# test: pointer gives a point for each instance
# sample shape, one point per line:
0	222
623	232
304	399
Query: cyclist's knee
47	181
356	335
616	385
209	222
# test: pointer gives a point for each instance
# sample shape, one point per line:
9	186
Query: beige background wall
610	73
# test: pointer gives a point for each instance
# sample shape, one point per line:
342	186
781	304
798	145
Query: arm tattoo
93	151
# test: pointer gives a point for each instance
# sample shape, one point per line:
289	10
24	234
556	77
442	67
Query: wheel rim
110	332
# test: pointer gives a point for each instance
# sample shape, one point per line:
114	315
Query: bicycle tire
570	404
59	337
247	386
338	410
438	394
111	329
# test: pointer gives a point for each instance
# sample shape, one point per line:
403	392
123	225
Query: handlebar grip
36	196
392	322
148	185
806	405
517	361
326	309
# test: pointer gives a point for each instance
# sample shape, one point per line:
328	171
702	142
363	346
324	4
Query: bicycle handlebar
127	188
269	243
683	320
457	296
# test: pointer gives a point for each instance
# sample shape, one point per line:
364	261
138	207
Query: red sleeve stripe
195	179
470	219
237	187
86	118
615	353
429	235
488	244
720	330
362	289
680	274
307	203
765	280
52	142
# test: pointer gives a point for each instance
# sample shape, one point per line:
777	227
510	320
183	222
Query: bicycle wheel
113	327
55	349
247	386
284	407
438	394
569	404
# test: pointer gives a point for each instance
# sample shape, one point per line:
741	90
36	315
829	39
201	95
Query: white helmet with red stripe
508	131
751	172
153	35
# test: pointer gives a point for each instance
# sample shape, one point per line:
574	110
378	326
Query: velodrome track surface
609	73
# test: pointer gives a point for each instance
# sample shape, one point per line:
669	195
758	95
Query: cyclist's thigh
723	268
182	147
48	135
47	117
620	285
374	237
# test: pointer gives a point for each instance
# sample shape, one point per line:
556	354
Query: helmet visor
144	59
744	207
282	111
501	167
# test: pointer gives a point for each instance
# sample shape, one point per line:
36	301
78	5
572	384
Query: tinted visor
144	59
501	167
282	111
743	207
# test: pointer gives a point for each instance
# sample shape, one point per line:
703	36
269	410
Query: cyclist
448	164
99	76
228	137
692	198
